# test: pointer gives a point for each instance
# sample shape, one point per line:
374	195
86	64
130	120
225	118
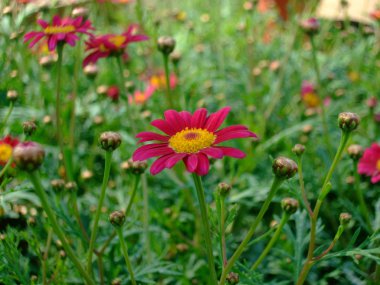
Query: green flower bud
117	218
355	151
134	167
28	156
29	128
224	188
12	95
110	141
284	168
345	219
348	122
289	205
166	44
57	184
298	149
232	278
71	186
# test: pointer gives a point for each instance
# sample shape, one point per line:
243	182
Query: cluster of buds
109	141
134	167
284	168
166	44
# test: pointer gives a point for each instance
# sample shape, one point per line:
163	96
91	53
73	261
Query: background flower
369	164
6	148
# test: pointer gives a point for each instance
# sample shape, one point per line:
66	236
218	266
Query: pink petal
186	116
232	152
216	119
163	126
199	118
174	159
150	136
213	152
159	164
151	150
191	162
375	178
137	38
35	40
56	20
203	165
42	23
175	120
234	135
231	129
30	35
52	43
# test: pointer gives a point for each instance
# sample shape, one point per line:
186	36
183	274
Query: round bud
116	281
29	128
166	44
175	57
57	184
348	121
298	149
284	168
289	205
48	60
117	218
355	151
232	278
86	174
224	188
345	219
310	26
12	95
62	254
134	167
110	141
71	186
28	156
372	103
91	70
80	12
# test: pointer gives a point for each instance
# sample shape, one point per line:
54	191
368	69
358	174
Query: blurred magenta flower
191	138
113	93
140	97
6	149
111	44
369	164
63	30
309	95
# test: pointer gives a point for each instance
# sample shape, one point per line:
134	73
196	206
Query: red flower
113	93
111	44
6	148
369	164
191	138
61	30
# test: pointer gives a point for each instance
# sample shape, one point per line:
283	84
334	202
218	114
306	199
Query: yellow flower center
5	152
378	165
191	140
51	30
117	40
311	100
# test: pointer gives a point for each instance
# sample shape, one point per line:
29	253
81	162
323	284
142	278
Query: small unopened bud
12	95
273	224
91	70
166	44
71	186
372	103
57	184
284	168
348	121
29	128
62	254
46	120
117	218
310	26
110	141
80	12
307	129
28	156
232	278
175	57
86	174
298	149
102	90
344	219
224	188
116	281
134	167
289	205
182	247
48	60
355	151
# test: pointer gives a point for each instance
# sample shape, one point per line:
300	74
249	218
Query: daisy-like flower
111	44
369	163
309	95
61	30
6	148
192	138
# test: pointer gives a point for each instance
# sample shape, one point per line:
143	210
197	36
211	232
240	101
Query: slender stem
107	168
167	78
276	183
146	217
223	230
125	253
5	168
140	13
58	100
272	241
359	196
302	185
134	191
75	93
332	244
5	120
206	227
46	255
34	177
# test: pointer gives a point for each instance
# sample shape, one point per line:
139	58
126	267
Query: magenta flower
111	44
369	164
192	138
61	30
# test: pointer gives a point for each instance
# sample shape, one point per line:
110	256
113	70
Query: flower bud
57	184
298	149
86	174
12	95
62	254
284	168
110	141
117	218
348	121
175	57
372	103
166	44
310	26
224	188
289	205
232	278
48	60
71	186
345	219
355	151
116	281
80	12
91	70
29	128
28	156
134	167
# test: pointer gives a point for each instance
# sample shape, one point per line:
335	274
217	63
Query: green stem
34	177
272	241
46	255
146	217
5	168
134	191
167	78
125	253
5	120
302	186
107	168
140	13
223	230
206	227
58	101
276	183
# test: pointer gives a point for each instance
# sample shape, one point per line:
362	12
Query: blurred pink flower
309	95
113	93
369	164
140	97
158	81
